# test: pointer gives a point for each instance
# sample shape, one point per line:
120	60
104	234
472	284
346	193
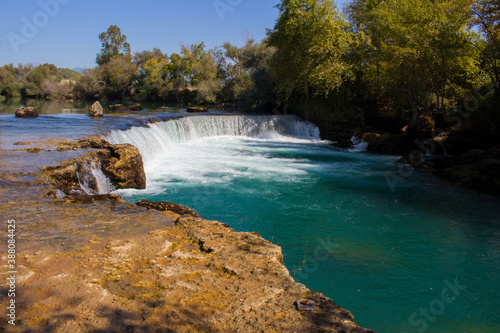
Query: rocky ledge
98	264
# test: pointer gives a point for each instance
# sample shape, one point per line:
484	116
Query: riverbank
96	263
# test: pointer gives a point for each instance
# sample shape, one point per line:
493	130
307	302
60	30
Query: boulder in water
197	109
136	107
121	164
124	167
28	112
121	107
96	110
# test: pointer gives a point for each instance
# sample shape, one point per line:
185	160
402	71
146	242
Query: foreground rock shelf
98	264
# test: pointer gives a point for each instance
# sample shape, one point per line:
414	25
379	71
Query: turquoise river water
417	256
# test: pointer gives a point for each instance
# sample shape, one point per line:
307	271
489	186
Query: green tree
311	40
114	45
487	19
153	74
417	53
119	76
8	85
34	80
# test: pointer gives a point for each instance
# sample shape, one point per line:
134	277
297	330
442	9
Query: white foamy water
218	149
91	175
160	138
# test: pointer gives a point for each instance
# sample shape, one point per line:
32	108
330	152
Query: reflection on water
82	107
70	120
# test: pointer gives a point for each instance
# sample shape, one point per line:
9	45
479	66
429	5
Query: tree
487	19
35	78
114	45
119	76
7	82
153	74
207	84
311	40
417	55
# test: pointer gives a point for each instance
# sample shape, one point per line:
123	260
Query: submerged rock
96	110
28	112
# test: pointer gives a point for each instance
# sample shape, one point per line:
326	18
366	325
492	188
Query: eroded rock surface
122	164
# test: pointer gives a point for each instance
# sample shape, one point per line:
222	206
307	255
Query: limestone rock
96	110
167	206
121	107
28	112
136	107
124	166
197	109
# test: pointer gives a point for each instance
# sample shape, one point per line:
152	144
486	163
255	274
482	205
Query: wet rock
96	110
136	107
167	206
124	166
64	176
28	112
121	107
197	109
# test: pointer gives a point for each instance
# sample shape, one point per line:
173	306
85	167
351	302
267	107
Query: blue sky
65	32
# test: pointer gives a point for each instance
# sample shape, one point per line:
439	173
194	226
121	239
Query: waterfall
156	138
92	180
359	145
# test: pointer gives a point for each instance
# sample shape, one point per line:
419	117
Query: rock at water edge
28	112
197	109
96	110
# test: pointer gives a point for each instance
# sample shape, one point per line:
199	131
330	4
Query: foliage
311	38
114	45
417	54
390	59
7	82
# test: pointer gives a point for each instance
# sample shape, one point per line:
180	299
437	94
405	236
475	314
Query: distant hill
69	74
78	69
